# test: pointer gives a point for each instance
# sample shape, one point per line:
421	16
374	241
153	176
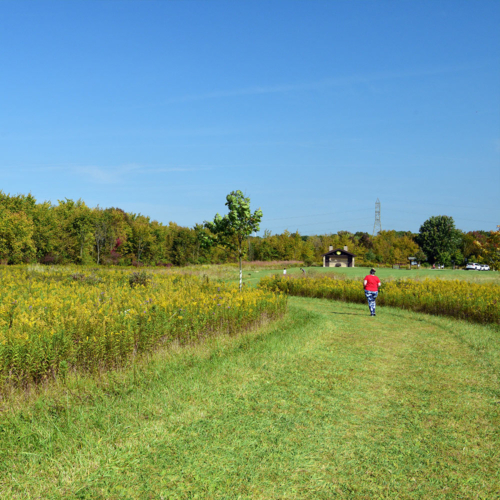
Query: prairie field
322	402
54	321
254	275
478	302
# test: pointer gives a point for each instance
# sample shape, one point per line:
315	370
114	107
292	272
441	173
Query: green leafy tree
16	237
159	248
45	227
307	253
457	258
391	248
103	230
45	231
370	256
81	223
185	246
420	256
264	248
439	239
232	230
119	241
73	229
142	235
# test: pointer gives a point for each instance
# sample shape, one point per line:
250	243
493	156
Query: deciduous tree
232	230
142	236
439	239
16	237
490	249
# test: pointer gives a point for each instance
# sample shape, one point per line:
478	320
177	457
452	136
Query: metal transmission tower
377	227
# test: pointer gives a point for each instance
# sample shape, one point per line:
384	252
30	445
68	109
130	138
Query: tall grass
51	323
325	404
470	301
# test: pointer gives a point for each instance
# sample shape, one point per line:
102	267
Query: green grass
327	403
252	277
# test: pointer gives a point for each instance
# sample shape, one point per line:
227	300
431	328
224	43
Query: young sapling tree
232	230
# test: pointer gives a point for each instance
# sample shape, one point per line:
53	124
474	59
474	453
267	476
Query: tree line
72	232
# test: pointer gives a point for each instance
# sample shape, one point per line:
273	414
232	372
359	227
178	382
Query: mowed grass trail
252	277
327	403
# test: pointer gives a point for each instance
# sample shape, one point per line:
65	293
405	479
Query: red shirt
371	283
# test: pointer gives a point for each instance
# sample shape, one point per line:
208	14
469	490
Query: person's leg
374	298
368	296
371	296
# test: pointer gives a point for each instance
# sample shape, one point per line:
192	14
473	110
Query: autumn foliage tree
489	249
72	232
394	249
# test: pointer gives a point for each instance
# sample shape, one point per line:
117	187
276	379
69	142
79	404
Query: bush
91	280
50	259
139	278
113	259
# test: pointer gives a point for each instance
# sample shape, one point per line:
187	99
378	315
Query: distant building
338	258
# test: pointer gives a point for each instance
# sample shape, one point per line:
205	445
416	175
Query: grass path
252	277
328	403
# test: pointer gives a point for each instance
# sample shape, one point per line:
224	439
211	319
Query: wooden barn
338	258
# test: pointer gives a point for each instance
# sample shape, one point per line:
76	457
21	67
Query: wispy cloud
107	174
96	174
319	84
114	174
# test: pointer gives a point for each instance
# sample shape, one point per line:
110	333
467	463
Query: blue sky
314	109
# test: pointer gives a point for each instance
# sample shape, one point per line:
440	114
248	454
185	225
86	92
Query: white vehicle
484	267
472	266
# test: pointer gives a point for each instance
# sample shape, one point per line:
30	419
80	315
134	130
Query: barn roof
343	252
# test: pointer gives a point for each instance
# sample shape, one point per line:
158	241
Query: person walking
371	284
284	271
